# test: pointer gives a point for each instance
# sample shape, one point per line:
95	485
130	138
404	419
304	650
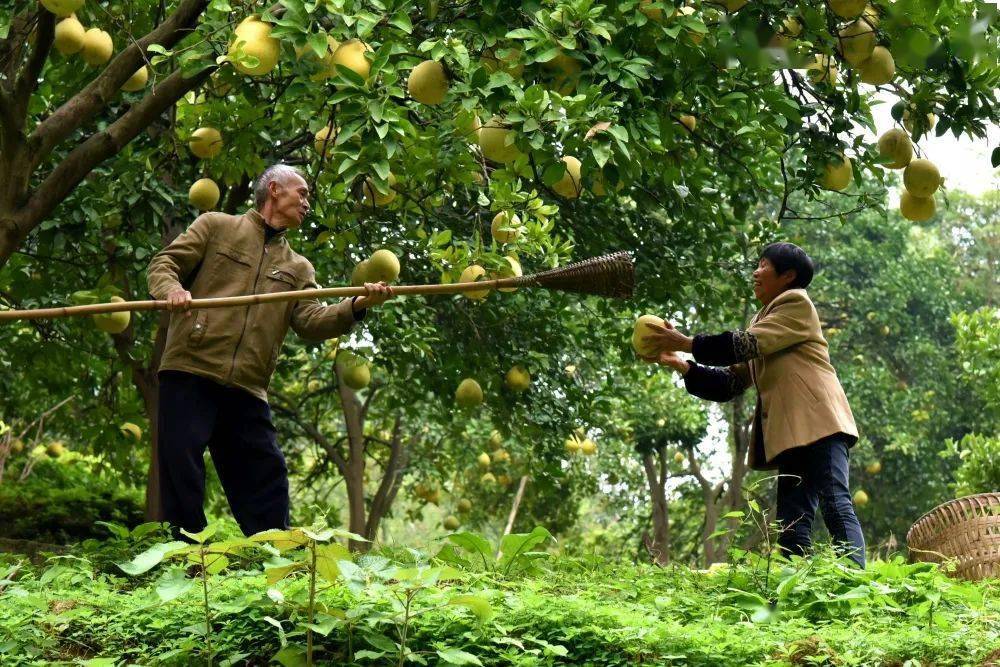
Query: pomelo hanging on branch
917	209
97	47
505	227
570	185
837	175
497	142
921	178
517	379
69	36
428	83
137	81
113	323
351	54
469	394
204	194
895	145
206	142
373	195
474	273
383	266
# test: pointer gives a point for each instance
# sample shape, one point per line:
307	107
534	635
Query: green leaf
150	558
203	536
479	604
473	543
173	584
402	21
327	556
276	574
282	539
292	655
454	656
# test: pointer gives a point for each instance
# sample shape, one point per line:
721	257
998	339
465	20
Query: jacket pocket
198	328
280	279
806	390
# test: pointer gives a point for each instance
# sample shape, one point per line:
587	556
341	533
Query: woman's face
767	283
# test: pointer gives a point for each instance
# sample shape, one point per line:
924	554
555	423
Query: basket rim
993	495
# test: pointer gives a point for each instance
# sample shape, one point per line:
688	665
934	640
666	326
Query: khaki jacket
222	255
800	399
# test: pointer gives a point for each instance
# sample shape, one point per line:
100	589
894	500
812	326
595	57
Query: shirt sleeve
787	324
717	384
313	320
170	267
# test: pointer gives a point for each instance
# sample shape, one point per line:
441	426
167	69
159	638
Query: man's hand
180	299
666	358
375	294
668	339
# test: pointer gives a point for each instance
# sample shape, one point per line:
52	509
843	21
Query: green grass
565	612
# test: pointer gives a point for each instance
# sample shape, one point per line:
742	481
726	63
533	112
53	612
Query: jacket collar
255	217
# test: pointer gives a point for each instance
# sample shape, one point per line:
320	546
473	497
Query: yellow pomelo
464	505
517	379
313	385
451	523
860	498
689	121
823	69
328	68
373	193
588	447
895	145
847	9
565	71
428	83
354	370
254	39
837	175
856	42
383	266
69	36
351	54
204	194
206	142
483	460
137	81
870	15
62	8
113	323
467	125
474	273
55	449
97	47
734	5
572	445
497	142
488	478
469	394
511	268
917	209
921	178
323	141
505	228
679	457
252	28
508	63
874	468
131	430
359	276
641	329
570	185
496	440
880	69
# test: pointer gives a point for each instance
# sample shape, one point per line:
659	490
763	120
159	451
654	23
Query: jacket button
197	326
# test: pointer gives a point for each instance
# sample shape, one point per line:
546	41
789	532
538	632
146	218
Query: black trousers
196	412
814	476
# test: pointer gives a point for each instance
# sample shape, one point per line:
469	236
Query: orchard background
514	136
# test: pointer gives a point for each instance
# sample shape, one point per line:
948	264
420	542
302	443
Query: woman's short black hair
787	257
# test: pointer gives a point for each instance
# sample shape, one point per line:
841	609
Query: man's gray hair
276	172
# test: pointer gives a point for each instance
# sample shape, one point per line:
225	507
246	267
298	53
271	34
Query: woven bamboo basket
966	530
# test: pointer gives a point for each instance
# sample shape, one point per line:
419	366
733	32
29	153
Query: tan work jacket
222	255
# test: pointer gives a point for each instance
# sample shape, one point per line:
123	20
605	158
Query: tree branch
389	486
87	103
27	83
102	145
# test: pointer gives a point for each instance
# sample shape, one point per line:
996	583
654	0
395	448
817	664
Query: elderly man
218	363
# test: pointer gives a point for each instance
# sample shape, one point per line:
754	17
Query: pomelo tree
682	133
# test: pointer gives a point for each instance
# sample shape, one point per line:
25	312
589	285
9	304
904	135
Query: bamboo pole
252	299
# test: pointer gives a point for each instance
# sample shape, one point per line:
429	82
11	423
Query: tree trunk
659	544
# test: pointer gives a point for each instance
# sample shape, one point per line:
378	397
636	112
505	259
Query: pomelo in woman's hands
642	329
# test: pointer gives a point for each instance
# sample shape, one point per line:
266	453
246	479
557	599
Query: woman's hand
667	338
667	358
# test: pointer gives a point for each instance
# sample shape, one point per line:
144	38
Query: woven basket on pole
966	530
608	275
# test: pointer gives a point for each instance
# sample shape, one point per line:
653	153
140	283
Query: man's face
768	283
290	197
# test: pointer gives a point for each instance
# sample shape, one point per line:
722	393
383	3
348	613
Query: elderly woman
802	423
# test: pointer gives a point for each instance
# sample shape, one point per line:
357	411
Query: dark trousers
196	412
811	476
